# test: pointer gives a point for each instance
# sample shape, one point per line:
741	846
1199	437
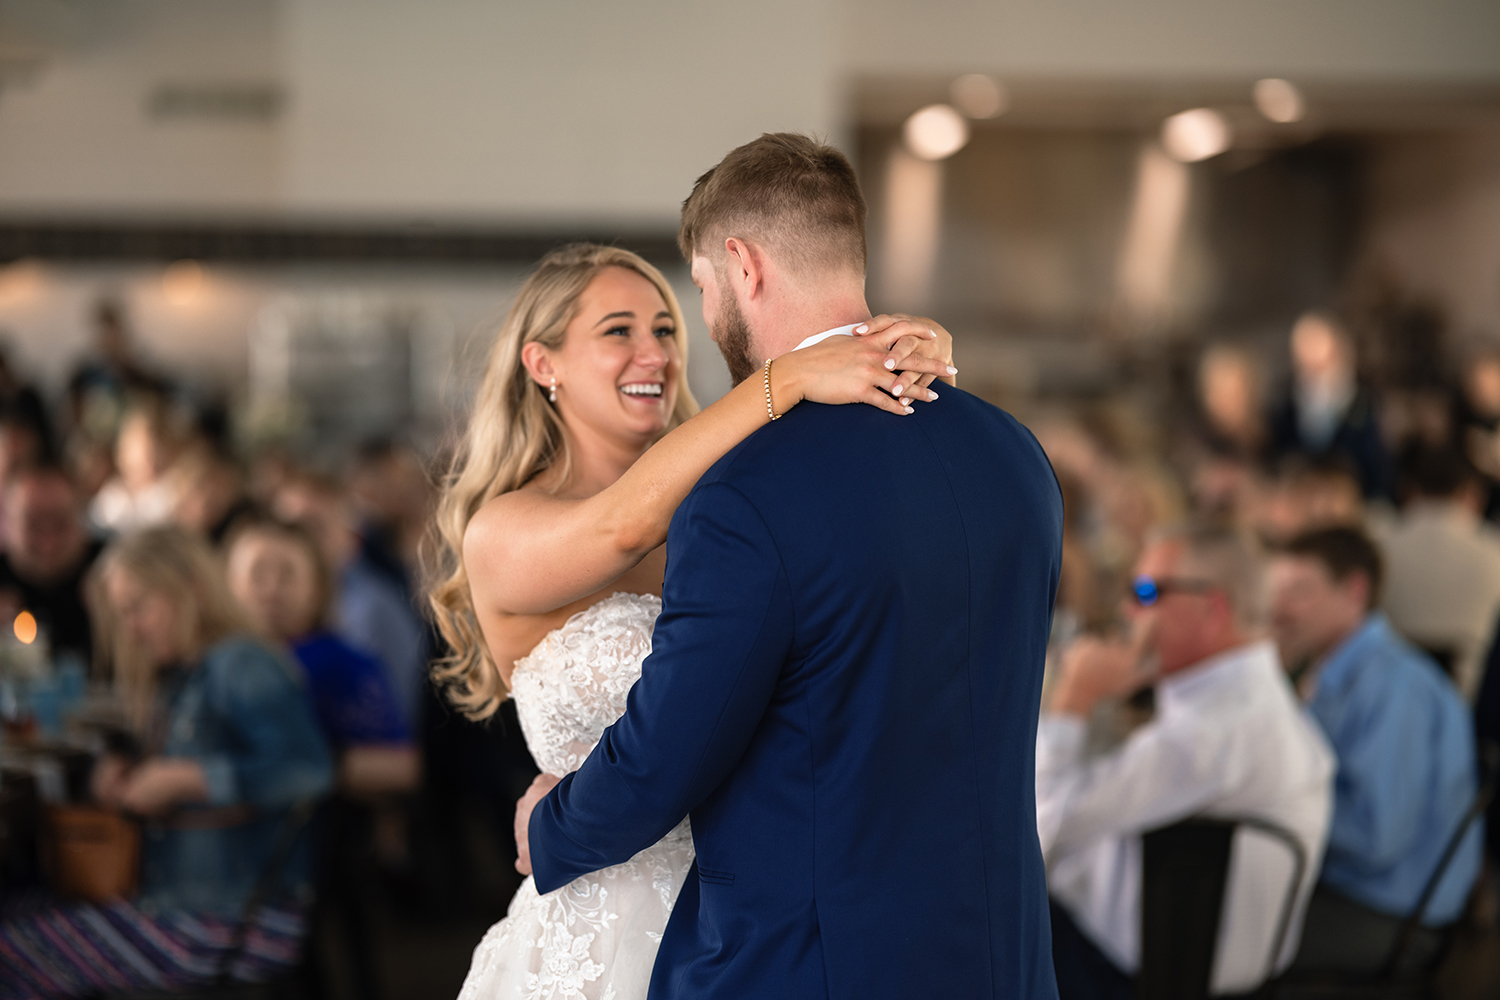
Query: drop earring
552	393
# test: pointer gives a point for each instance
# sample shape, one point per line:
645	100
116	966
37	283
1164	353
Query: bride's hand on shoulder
913	336
881	367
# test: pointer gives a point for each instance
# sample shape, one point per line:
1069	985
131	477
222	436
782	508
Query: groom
844	684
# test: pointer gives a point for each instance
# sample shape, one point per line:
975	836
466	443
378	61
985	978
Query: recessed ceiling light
1279	100
936	132
979	95
1195	135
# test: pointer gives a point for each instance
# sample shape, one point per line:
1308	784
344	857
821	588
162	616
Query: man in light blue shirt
1405	746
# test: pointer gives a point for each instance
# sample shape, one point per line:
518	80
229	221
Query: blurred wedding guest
208	489
20	401
1306	495
1228	739
140	495
1232	404
47	557
20	447
1479	420
1487	732
393	496
1404	741
1326	412
371	610
224	745
277	573
103	383
90	462
1444	564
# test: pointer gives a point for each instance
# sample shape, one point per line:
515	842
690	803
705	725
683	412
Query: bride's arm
528	552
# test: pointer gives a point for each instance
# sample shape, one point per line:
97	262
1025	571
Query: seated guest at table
1444	562
1405	747
140	495
229	744
47	557
1228	739
209	494
371	609
277	573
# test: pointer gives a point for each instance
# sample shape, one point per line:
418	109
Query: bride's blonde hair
514	433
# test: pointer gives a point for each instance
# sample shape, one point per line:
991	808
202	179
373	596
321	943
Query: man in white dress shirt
1229	739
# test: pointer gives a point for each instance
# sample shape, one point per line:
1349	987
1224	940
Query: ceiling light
979	96
1279	100
183	283
1195	135
936	132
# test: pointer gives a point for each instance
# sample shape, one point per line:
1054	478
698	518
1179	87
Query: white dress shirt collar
818	338
1207	677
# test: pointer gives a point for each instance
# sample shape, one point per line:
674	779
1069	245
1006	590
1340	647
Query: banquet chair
1405	972
1185	871
301	822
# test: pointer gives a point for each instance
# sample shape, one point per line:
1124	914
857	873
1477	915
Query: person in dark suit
844	686
1327	414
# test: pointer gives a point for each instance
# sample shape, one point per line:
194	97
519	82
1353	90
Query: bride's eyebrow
615	315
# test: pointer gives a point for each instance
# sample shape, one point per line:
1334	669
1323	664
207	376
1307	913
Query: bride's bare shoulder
498	520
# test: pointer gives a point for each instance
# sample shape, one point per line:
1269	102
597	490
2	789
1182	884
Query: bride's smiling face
619	367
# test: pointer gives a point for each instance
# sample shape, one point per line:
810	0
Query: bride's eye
617	331
665	331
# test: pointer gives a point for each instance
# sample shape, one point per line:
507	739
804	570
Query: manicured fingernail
910	410
932	333
862	328
890	364
931	394
952	370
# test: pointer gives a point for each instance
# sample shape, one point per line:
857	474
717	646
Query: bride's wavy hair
513	434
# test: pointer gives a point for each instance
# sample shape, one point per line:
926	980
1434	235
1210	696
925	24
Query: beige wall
596	110
75	136
570	110
1435	224
1165	39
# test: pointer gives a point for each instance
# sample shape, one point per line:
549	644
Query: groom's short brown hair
794	195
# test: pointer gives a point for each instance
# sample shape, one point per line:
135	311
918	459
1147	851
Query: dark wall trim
110	241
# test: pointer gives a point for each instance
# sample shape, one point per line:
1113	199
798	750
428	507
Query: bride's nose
649	353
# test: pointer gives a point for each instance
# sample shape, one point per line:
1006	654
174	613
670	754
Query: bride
582	443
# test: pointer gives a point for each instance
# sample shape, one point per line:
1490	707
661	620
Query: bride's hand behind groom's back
540	786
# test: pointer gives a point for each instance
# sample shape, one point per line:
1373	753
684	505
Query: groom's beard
733	338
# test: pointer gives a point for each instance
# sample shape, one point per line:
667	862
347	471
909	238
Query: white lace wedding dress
596	937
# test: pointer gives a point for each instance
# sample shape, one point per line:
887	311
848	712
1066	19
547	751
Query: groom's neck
810	312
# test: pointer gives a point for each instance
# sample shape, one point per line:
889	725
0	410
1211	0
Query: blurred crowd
254	632
1279	602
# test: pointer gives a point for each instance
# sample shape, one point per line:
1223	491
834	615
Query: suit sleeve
717	654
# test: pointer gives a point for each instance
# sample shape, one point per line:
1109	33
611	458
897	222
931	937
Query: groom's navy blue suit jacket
843	694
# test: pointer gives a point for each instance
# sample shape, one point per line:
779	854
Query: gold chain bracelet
770	410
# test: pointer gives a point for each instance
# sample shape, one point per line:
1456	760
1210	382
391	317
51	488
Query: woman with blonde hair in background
223	744
582	443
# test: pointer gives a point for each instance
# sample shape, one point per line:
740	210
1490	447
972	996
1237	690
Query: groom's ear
746	269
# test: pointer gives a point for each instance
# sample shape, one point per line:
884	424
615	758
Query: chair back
1185	872
268	885
1489	771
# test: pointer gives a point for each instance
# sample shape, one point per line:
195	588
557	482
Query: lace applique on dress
597	937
